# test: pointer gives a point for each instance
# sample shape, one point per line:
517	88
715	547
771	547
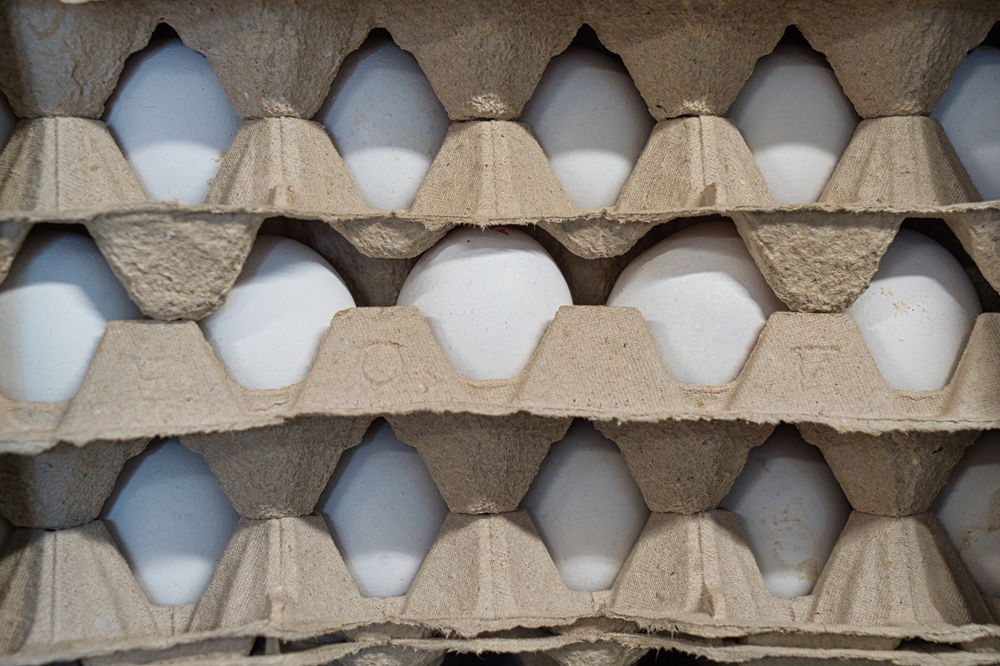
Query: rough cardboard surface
691	582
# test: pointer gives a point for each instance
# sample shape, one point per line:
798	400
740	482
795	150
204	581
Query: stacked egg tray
894	590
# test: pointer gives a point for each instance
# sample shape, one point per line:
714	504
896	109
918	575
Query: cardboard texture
893	592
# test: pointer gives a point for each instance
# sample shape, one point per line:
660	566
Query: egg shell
796	120
57	299
968	508
267	332
488	297
791	510
385	121
172	521
592	123
703	298
172	119
384	511
587	508
970	115
917	314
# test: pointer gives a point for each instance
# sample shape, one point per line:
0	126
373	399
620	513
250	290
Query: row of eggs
488	296
172	119
173	521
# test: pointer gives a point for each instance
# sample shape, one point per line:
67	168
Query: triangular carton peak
287	572
55	165
690	566
880	76
375	360
481	464
12	235
63	60
285	163
891	474
817	262
68	587
685	466
491	573
461	44
975	386
656	40
896	572
614	344
900	161
812	365
176	264
979	232
50	490
151	378
273	58
489	171
694	162
290	464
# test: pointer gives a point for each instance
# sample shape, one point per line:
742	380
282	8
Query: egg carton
893	575
66	591
63	166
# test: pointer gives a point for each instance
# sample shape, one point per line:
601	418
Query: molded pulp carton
894	590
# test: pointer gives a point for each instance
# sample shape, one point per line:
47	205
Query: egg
917	314
796	120
968	509
591	122
587	508
968	112
57	299
8	121
172	119
269	329
791	510
703	299
488	297
385	121
171	520
384	511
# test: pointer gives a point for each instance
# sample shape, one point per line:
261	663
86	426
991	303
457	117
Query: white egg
172	120
8	121
269	329
587	508
386	122
791	509
969	511
703	299
172	521
970	115
796	120
591	122
57	299
384	511
917	314
488	297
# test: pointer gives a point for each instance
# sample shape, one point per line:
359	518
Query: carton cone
285	163
693	163
68	586
491	170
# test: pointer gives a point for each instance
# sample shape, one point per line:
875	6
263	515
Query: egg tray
893	577
67	594
277	59
691	582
